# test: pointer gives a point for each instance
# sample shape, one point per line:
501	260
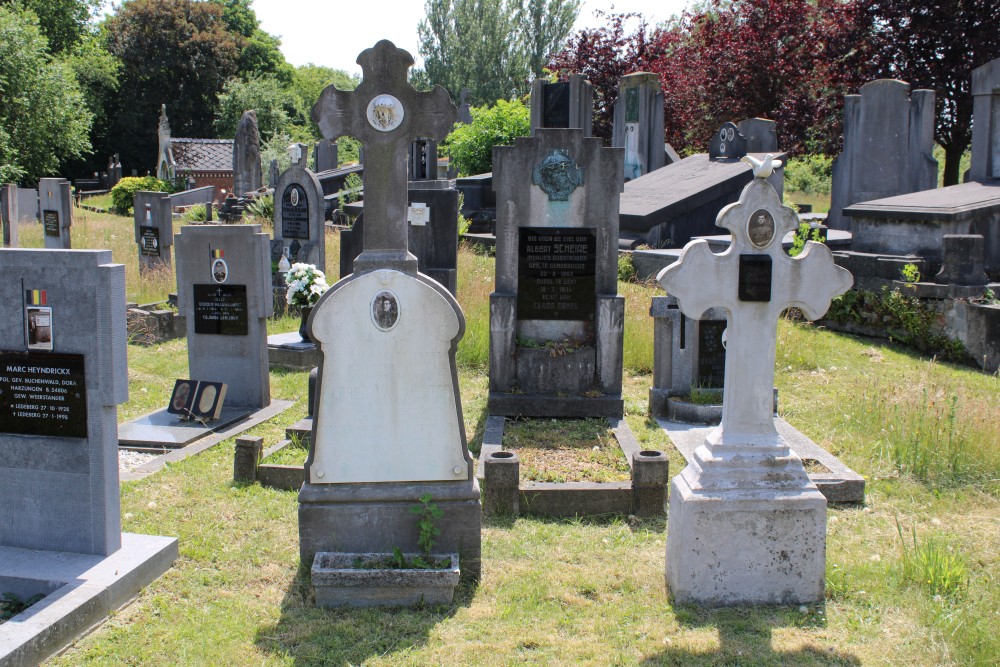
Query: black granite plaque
50	220
43	394
221	309
556	274
755	278
711	353
149	241
555	112
294	213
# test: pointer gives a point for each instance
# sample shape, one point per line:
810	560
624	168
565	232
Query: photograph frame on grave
38	327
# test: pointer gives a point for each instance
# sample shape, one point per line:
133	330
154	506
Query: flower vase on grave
304	311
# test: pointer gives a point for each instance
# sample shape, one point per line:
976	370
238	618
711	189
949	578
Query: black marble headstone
556	274
43	394
727	143
556	105
711	353
221	309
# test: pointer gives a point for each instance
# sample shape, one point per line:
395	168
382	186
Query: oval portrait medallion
385	310
207	399
385	113
760	228
293	197
220	270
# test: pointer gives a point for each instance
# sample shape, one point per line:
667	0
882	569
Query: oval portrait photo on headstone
385	310
220	270
760	228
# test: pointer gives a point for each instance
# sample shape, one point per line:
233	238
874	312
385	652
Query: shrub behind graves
809	174
471	146
123	194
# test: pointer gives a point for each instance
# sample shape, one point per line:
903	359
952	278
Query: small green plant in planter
705	396
910	273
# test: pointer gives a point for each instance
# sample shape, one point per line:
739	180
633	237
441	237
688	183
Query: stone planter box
338	583
679	410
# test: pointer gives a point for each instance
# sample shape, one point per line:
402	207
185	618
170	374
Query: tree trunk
952	160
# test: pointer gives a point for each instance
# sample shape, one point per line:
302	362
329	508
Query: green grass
591	592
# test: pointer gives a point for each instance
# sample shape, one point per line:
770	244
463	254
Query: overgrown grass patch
576	450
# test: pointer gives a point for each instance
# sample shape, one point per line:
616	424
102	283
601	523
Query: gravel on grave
128	460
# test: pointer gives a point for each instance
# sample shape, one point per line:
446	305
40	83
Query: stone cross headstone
985	165
55	207
9	219
224	292
557	199
63	372
888	147
746	524
299	228
388	425
638	123
563	104
154	228
246	155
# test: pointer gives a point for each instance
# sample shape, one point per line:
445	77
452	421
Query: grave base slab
81	590
537	405
163	430
289	350
373	518
835	480
745	547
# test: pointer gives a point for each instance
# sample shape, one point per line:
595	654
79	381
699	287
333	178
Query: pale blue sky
334	32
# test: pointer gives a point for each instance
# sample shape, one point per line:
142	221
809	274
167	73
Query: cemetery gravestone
9	220
638	124
272	174
325	155
62	374
388	423
299	229
563	104
154	228
55	206
246	155
727	143
224	291
888	147
747	526
761	135
985	163
556	278
464	112
423	160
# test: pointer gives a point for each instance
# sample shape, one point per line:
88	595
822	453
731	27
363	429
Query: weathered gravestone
388	424
638	123
422	163
154	228
888	147
299	230
563	104
8	215
464	107
432	237
325	155
63	372
747	526
55	205
985	165
246	156
114	170
556	278
272	174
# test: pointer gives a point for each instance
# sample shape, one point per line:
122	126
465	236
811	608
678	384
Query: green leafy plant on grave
931	563
626	268
463	222
910	273
902	317
353	188
804	233
197	213
123	194
11	605
261	207
427	515
705	395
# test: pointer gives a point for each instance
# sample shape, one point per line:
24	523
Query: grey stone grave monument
325	155
63	372
747	526
985	165
246	156
224	293
388	424
432	236
888	147
638	124
422	161
563	104
153	215
464	107
8	215
556	278
299	230
55	206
